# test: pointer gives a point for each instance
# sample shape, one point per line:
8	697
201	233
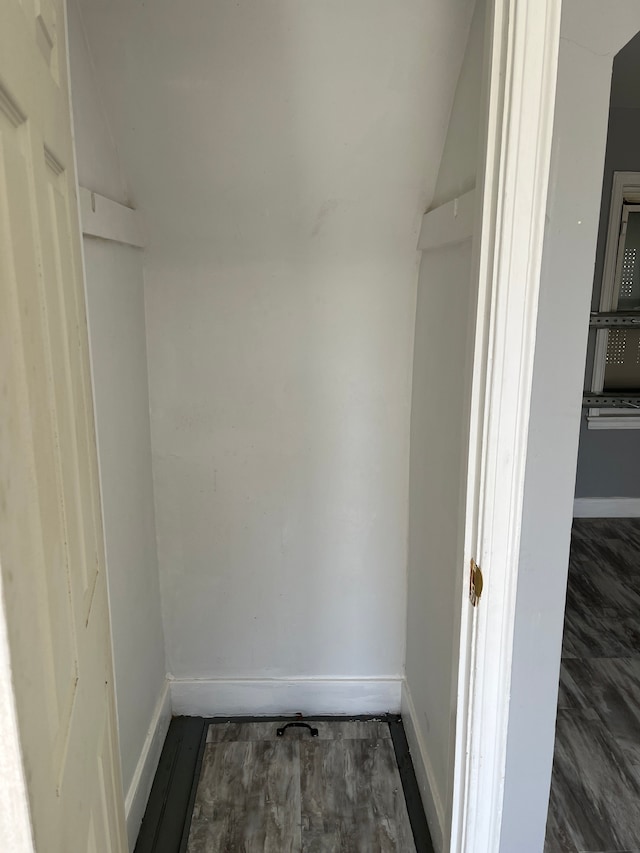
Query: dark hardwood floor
595	790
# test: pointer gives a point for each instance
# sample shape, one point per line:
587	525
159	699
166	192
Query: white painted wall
438	444
278	404
115	304
439	438
96	153
116	316
591	35
283	154
459	163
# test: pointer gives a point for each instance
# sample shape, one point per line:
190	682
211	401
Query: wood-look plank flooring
338	793
595	791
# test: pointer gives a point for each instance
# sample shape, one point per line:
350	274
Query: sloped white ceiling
256	130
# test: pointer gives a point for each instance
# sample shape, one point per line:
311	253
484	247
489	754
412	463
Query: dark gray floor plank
347	838
340	792
595	792
248	799
610	690
327	730
594	797
351	793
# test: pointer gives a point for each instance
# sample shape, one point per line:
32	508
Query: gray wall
609	460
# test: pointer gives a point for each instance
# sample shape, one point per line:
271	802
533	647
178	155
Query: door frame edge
522	68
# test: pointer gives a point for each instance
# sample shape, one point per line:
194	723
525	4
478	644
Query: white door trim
520	108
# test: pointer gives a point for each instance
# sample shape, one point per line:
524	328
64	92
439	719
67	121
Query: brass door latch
475	583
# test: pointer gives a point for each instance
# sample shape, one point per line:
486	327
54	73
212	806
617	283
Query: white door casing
592	33
51	539
521	60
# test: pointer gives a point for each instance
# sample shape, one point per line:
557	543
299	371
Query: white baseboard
606	508
433	806
136	800
262	697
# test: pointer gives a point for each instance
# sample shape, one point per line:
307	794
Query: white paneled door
51	540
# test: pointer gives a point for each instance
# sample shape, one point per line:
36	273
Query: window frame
625	191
